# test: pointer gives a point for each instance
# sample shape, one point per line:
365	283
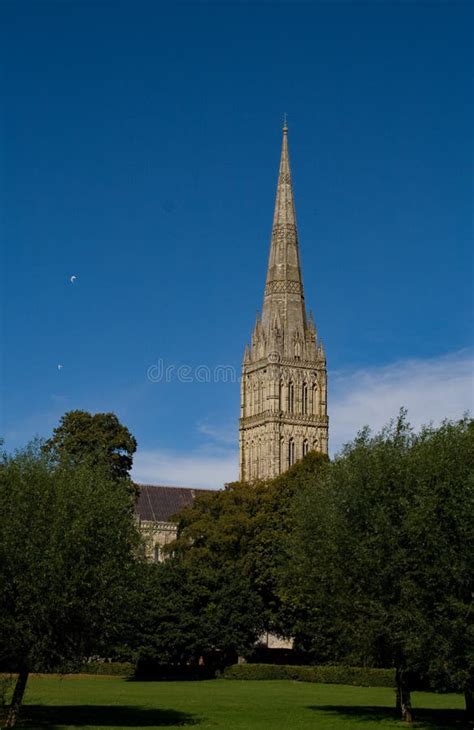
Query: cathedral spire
284	381
284	286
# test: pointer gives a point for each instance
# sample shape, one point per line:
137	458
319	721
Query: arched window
291	452
315	399
304	399
305	447
291	397
280	396
315	445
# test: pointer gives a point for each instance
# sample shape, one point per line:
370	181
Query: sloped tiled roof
159	504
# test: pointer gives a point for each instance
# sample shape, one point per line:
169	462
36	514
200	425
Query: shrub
357	676
116	669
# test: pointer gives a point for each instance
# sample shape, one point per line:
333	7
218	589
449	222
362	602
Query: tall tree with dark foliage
68	555
381	569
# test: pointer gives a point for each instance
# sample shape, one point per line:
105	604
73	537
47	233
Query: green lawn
109	703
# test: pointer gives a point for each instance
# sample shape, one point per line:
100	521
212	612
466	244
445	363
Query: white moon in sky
73	279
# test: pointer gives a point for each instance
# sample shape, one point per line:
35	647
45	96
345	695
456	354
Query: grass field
109	703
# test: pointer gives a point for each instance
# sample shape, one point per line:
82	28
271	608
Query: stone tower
284	383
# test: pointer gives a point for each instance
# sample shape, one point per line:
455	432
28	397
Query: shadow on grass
52	716
424	719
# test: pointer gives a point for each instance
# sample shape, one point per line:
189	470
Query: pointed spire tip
285	123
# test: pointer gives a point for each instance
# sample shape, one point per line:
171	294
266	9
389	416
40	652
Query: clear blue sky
139	152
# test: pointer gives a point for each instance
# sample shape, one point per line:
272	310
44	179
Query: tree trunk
403	703
469	699
17	699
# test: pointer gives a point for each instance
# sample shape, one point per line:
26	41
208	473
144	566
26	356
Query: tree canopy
381	569
191	612
99	439
218	589
244	528
68	551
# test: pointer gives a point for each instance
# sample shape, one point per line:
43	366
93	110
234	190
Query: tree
99	439
201	600
219	590
191	611
439	531
68	554
382	571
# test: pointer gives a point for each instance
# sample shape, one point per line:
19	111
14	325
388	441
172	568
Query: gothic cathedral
284	380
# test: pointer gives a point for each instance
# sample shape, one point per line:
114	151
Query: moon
60	367
72	278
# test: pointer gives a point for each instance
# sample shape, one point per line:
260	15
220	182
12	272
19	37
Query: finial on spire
285	123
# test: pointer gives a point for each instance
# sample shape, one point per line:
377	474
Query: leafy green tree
201	599
98	439
68	555
192	611
439	531
272	553
382	570
226	565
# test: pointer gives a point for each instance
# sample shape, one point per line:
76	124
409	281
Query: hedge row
358	676
116	669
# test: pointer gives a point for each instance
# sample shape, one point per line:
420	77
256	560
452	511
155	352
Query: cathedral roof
158	503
